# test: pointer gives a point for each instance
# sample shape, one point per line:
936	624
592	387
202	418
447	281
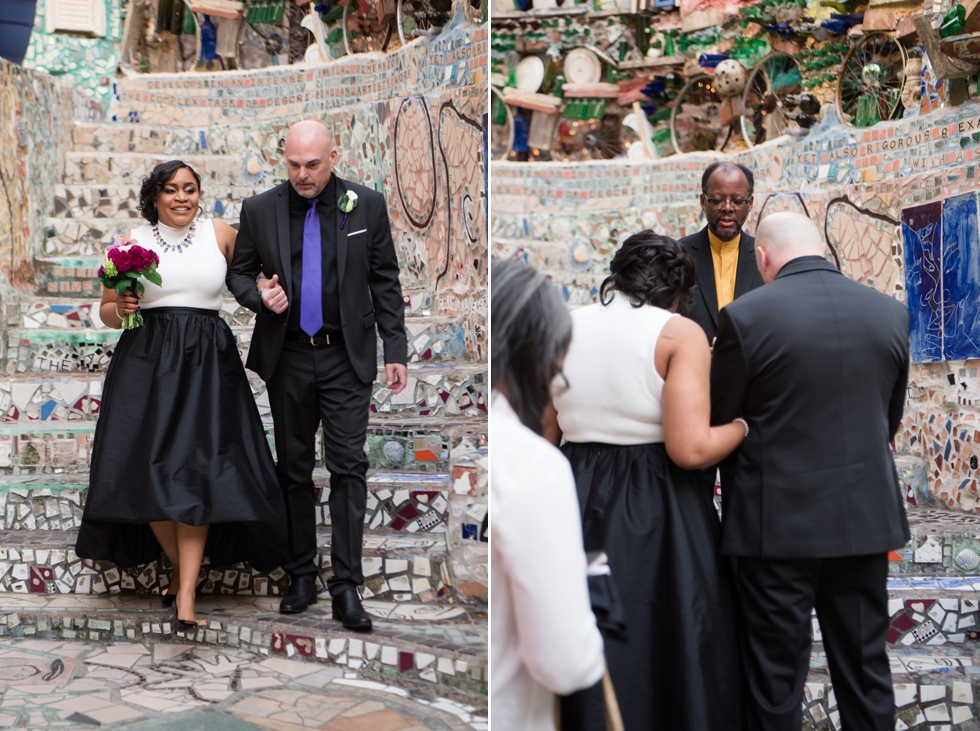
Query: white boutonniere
347	203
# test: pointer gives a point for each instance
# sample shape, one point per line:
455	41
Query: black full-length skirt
679	667
179	438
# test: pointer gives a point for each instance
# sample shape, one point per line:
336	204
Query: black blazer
704	308
817	364
370	292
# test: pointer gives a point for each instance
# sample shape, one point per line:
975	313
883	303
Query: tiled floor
58	684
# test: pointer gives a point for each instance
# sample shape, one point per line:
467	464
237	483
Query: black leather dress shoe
347	609
302	593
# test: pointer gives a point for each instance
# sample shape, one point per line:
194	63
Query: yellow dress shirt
724	255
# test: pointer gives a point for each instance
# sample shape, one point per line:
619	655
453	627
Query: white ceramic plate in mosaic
582	67
530	73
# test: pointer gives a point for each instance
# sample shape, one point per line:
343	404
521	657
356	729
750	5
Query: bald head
310	157
783	237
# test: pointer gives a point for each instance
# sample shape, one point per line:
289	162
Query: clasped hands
274	298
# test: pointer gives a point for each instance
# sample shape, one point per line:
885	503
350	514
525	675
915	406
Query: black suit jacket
367	265
817	364
704	308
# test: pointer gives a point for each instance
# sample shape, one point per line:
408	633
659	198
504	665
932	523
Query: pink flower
132	259
120	257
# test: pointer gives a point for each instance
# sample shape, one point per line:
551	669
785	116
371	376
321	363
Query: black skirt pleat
179	438
679	667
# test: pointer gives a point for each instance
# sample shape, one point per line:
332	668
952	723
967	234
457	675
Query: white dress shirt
544	638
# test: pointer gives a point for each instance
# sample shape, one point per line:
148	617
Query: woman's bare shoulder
683	329
223	229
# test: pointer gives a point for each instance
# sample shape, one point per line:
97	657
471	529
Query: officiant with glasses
723	253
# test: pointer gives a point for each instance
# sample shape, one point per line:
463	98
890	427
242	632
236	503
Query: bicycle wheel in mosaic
501	127
870	85
262	45
601	135
417	18
477	11
368	25
695	122
771	91
415	161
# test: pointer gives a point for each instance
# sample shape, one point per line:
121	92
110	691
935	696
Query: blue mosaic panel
922	237
961	278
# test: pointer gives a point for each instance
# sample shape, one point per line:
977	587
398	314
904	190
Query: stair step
129	168
397	567
145	138
437	391
937	685
40	348
436	648
944	543
89	236
412	445
100	202
415	504
76	277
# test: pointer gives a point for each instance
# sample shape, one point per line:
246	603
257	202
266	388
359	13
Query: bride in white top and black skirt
180	460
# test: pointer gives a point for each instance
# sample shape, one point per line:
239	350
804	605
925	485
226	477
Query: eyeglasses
724	202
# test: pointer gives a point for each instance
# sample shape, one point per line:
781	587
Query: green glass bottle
953	22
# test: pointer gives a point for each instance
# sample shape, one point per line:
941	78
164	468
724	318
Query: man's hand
396	377
274	296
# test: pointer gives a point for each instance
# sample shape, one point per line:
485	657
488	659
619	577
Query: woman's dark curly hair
651	269
154	183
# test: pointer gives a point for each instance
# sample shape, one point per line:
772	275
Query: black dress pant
314	385
850	596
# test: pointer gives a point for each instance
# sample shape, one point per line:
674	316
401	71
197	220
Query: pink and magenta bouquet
121	269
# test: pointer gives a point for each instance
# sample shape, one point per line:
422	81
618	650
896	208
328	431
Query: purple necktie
311	299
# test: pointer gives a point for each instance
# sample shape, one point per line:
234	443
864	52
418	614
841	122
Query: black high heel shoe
183	625
169	599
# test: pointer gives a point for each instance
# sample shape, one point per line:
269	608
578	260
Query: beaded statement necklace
167	247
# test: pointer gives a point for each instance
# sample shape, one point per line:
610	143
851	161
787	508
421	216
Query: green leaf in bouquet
122	286
151	275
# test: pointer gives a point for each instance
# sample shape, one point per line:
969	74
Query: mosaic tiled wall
36	114
863	188
457	57
87	64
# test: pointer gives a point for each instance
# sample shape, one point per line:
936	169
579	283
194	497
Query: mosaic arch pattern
415	161
853	232
461	147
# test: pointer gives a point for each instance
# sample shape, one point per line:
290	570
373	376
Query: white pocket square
357	233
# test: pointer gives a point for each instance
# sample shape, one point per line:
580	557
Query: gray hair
530	331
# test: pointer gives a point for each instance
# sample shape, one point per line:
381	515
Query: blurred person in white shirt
544	638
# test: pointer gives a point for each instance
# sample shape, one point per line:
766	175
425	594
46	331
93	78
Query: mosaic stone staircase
934	633
426	449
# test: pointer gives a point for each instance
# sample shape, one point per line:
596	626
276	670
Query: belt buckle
327	336
312	341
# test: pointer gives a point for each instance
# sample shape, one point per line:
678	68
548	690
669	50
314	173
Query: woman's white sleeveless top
192	277
614	389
